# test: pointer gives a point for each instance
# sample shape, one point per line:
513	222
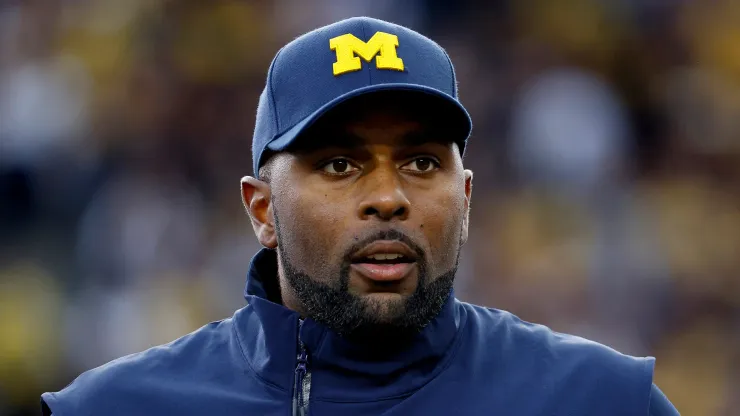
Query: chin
384	307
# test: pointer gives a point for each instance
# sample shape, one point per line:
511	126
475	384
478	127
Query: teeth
385	256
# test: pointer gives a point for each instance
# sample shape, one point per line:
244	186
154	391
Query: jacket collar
341	370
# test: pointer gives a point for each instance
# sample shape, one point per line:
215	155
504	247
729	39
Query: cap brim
462	117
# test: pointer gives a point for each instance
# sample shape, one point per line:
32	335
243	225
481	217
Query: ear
468	192
257	201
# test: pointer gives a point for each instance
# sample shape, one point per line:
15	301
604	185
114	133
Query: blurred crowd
606	152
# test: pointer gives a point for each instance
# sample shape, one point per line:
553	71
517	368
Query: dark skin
376	170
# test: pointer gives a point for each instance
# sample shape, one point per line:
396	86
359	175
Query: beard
363	320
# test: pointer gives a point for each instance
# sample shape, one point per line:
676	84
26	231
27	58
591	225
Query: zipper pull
302	382
300	374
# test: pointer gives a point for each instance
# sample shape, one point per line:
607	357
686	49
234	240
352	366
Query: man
362	206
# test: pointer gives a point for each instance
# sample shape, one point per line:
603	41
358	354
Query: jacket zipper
302	381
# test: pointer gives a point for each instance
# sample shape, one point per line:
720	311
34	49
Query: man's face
369	217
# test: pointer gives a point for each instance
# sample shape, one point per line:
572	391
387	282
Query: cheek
310	227
441	224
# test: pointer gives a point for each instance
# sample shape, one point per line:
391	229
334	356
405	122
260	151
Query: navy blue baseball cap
332	65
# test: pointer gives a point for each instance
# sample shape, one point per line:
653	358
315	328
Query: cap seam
272	94
369	68
452	72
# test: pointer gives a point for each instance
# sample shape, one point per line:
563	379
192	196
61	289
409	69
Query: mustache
391	234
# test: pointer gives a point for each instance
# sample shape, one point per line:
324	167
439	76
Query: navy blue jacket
265	360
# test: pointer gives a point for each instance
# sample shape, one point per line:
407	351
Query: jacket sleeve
660	405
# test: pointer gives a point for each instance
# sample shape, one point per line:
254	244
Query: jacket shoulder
533	339
144	377
562	363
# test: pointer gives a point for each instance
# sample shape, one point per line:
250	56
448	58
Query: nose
384	198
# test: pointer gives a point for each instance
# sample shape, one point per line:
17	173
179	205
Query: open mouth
385	261
379	258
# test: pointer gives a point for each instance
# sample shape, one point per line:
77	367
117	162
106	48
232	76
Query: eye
421	165
339	166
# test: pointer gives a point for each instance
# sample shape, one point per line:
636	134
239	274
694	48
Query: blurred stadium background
606	153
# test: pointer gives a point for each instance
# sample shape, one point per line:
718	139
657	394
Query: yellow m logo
381	44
